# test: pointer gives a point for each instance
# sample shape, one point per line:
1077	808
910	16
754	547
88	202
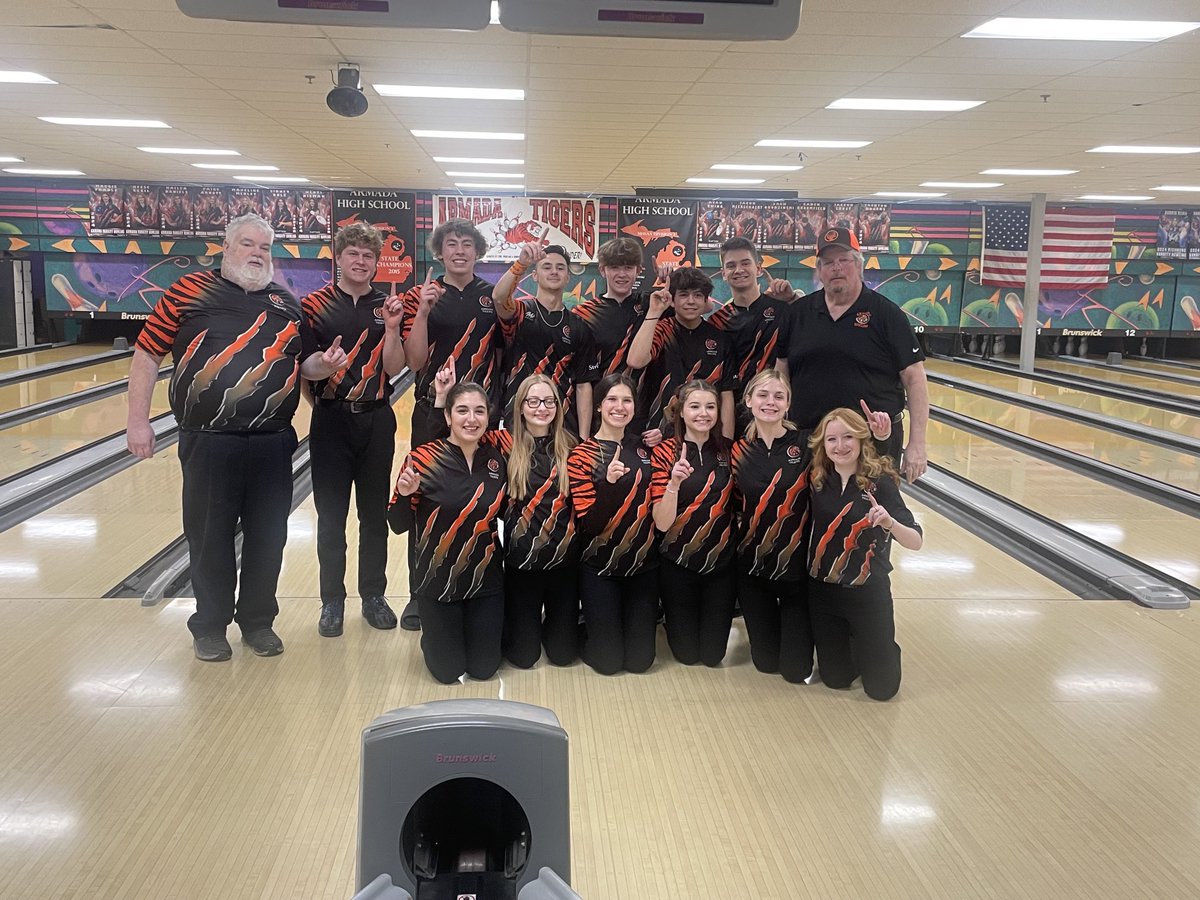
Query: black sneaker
214	648
410	619
332	615
263	642
377	613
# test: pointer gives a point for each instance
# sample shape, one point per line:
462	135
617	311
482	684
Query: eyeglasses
535	402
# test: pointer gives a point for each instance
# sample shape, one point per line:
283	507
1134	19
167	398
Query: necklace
542	315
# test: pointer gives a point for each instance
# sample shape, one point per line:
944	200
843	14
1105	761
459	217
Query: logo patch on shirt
566	334
637	309
641	451
723	459
710	344
793	452
277	300
494	468
379	316
769	314
485	302
862	319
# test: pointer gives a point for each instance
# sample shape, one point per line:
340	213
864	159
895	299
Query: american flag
1076	248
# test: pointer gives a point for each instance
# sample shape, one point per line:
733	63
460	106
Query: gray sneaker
263	642
213	648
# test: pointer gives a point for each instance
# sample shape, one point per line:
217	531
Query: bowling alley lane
1145	382
1191	369
85	545
1080	398
51	355
32	443
59	384
1145	458
1161	537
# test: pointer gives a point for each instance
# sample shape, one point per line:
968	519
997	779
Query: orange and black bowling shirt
462	325
701	538
237	353
611	325
754	330
332	312
772	499
453	517
540	342
843	549
679	355
616	520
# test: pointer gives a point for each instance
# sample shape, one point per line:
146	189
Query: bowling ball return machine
465	800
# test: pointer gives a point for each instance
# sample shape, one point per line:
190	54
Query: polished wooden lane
1036	750
1134	382
1081	398
1166	368
32	443
51	355
1172	466
1161	537
87	544
51	387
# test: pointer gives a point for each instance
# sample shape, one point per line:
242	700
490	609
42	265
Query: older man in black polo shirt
847	343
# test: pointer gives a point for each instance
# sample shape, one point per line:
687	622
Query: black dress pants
855	632
620	613
777	622
699	612
352	449
526	595
462	636
232	478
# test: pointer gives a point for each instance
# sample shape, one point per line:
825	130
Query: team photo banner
792	224
508	222
394	214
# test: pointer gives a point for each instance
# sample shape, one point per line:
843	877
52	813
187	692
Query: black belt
353	406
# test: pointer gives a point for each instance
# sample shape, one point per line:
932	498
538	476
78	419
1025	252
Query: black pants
526	594
461	637
699	612
231	478
777	622
855	632
352	449
621	617
422	429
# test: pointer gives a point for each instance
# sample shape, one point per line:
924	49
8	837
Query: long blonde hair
871	466
520	457
762	378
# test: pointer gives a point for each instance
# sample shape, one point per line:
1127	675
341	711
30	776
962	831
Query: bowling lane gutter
65	366
36	489
68	401
1086	567
168	572
32	348
1120	426
1178	363
1091	385
1130	370
1134	482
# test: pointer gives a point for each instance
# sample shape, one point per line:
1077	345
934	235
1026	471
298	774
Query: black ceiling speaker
348	99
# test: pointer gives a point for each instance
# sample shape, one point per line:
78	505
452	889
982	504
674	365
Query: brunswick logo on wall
393	213
508	222
666	226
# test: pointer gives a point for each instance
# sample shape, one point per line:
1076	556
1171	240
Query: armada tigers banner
666	227
394	214
508	222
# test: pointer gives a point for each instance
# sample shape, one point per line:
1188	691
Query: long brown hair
520	457
762	378
871	466
675	409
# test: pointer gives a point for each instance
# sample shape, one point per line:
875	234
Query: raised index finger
866	409
337	342
429	275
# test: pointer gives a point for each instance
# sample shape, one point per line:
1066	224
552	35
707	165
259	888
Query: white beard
247	278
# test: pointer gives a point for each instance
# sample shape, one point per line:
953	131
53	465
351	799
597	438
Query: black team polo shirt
838	363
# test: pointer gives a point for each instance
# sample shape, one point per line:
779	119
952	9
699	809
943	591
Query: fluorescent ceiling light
187	151
1177	187
1132	148
105	123
517	175
963	184
24	78
1029	172
479	161
1080	29
487	185
471	135
274	179
1115	197
913	194
495	17
909	105
831	145
235	167
44	171
734	167
725	180
448	93
11	159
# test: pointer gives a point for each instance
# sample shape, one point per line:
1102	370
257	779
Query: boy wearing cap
847	343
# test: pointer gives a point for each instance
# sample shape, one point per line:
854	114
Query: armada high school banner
508	222
394	214
666	226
